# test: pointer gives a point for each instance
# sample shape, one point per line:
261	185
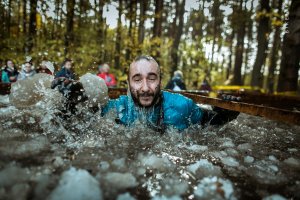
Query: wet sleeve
218	116
196	113
4	77
111	104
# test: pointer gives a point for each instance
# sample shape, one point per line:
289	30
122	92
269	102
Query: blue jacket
4	77
175	110
65	73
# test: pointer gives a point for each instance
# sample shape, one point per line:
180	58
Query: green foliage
95	43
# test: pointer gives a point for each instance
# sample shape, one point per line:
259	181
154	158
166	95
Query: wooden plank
277	114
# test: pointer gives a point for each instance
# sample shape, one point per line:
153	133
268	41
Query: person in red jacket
109	79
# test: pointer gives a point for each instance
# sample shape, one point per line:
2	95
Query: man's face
68	65
144	82
10	64
27	67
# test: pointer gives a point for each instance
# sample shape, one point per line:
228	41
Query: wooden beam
291	117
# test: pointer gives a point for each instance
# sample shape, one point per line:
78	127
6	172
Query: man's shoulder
175	98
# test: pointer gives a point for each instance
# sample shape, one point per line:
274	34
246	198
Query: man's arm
219	116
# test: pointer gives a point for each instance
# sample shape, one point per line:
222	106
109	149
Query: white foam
77	185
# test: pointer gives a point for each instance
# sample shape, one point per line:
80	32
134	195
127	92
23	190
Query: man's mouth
146	97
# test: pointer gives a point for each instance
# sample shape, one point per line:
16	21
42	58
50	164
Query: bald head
144	59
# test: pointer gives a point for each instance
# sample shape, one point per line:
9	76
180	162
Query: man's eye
152	78
137	79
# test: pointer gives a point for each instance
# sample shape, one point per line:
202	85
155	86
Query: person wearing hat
46	67
109	79
27	71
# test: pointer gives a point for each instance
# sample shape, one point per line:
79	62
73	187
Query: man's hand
220	116
72	90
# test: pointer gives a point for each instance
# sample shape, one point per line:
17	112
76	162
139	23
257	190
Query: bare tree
69	35
118	37
263	30
157	28
32	26
290	58
142	18
241	31
275	48
177	32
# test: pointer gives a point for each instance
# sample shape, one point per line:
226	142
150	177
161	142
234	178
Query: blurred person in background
46	67
27	71
109	79
66	70
11	71
176	83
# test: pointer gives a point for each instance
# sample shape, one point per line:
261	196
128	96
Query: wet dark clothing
176	84
205	86
65	73
11	73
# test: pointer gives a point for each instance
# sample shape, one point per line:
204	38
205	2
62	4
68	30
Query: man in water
158	109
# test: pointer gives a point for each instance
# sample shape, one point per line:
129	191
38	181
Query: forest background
233	42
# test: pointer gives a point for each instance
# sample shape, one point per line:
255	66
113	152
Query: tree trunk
24	17
69	25
101	30
215	10
157	29
2	24
262	39
19	19
241	31
8	19
158	18
32	26
132	25
177	35
250	39
143	17
55	22
231	38
274	53
118	37
290	58
80	13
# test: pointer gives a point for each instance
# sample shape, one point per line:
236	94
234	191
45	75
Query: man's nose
145	86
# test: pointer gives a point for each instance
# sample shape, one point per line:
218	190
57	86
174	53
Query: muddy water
248	158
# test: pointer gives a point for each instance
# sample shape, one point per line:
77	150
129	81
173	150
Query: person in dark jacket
66	70
11	71
148	104
176	83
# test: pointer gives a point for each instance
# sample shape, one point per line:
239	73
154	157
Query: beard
136	95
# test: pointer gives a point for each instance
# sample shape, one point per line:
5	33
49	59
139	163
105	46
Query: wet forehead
143	68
